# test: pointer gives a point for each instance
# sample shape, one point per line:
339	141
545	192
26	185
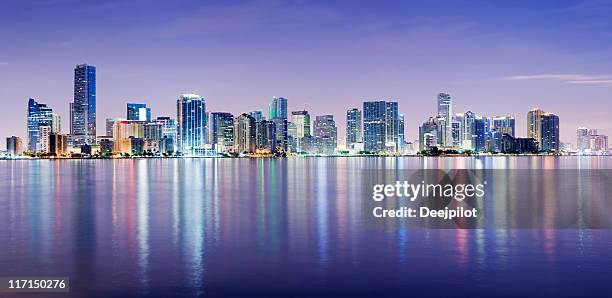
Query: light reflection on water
225	227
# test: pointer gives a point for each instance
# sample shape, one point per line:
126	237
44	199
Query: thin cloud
565	78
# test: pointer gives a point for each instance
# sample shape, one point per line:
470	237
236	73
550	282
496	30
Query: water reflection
229	227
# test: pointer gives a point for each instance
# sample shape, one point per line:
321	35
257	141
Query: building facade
83	109
192	122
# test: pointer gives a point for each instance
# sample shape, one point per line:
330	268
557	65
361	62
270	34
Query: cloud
565	78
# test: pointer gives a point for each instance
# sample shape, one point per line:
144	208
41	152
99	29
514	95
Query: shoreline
289	157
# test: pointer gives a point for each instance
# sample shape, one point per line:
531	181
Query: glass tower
138	112
445	110
550	132
222	130
354	133
39	115
191	115
83	109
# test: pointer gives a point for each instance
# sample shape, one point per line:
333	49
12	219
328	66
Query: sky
493	57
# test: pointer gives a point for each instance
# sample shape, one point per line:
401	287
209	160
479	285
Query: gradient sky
328	56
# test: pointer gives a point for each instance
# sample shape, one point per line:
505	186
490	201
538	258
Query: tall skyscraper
301	121
392	127
265	132
278	108
354	129
245	134
222	131
138	112
326	134
401	135
550	132
381	126
445	111
374	126
257	115
534	125
39	115
83	109
192	120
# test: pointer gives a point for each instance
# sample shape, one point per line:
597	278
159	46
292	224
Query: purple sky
494	58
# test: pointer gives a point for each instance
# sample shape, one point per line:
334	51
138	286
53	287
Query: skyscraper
138	112
401	134
326	134
503	124
445	111
169	140
83	109
191	115
374	126
278	108
222	131
245	134
39	115
56	123
534	125
583	138
550	132
301	120
392	127
354	130
257	115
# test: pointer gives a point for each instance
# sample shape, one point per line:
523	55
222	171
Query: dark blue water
272	227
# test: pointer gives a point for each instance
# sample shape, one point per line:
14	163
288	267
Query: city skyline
404	54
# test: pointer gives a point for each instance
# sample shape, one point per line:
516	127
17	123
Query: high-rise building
245	134
354	129
222	131
110	122
14	146
401	137
45	138
58	144
168	142
138	112
392	127
374	126
588	140
445	111
301	121
258	115
534	125
503	124
550	133
39	115
83	109
457	131
381	126
326	134
265	135
428	134
278	108
192	119
583	135
56	123
598	143
124	132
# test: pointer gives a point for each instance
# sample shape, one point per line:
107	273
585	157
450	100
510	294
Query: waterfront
287	227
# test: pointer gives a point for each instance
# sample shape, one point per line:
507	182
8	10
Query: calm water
272	227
